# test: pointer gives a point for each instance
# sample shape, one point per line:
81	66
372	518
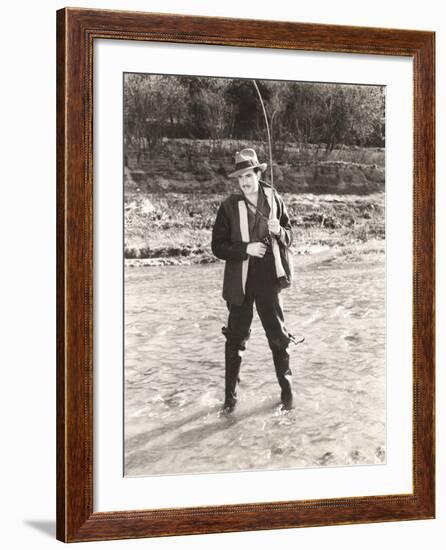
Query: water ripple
174	375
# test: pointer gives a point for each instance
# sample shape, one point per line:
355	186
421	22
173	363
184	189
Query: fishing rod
270	157
269	138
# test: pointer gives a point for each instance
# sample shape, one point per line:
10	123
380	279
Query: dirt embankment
182	166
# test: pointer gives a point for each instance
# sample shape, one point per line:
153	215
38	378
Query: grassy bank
175	228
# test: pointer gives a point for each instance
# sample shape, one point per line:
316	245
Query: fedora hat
246	160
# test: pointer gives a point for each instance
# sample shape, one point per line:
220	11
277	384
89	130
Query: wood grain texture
76	31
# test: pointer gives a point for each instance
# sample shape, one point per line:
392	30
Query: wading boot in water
232	369
283	373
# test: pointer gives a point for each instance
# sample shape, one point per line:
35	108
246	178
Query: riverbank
202	166
370	251
175	228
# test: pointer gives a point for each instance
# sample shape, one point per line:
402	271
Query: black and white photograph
223	250
254	254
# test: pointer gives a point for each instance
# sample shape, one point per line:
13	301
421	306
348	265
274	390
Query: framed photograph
245	277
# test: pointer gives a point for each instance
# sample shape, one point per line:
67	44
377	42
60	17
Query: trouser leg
237	334
269	308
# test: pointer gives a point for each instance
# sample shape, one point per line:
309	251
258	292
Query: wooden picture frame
76	31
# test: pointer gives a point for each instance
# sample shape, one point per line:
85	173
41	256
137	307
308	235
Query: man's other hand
256	249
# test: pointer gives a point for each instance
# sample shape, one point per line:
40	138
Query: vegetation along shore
175	228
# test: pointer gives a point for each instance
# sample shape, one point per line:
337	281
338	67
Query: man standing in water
252	233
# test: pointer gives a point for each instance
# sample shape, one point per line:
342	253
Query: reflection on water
174	374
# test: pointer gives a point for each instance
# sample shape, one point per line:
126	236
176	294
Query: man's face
249	182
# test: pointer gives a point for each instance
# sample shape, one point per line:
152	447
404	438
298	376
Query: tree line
160	106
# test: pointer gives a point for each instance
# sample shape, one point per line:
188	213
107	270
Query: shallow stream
174	374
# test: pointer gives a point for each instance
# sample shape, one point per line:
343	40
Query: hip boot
283	372
232	370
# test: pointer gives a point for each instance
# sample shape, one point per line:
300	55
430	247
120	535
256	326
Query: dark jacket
227	244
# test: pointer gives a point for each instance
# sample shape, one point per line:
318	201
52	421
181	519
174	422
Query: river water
174	374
